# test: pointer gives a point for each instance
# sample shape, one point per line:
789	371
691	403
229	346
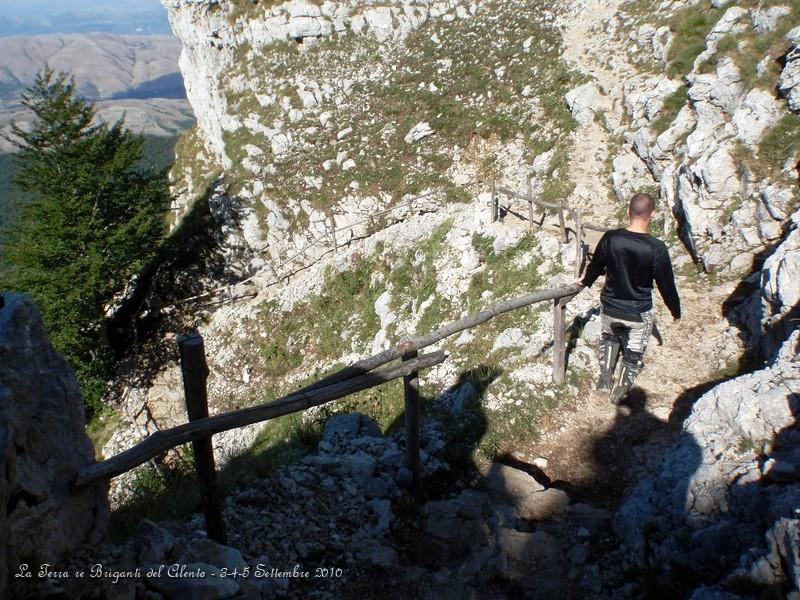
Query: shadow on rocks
716	513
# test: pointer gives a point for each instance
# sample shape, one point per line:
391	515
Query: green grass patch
748	48
558	185
504	275
515	425
672	106
746	445
193	171
780	144
690	26
155	497
414	278
101	427
325	325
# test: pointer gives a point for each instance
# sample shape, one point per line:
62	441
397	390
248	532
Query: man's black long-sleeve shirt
632	261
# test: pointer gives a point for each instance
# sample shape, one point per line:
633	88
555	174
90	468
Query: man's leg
632	356
608	352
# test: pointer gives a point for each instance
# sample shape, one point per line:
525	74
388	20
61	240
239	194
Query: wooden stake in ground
578	242
561	224
333	233
195	374
530	204
495	203
411	397
559	340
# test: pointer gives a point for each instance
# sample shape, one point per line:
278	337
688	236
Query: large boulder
43	443
758	112
770	314
529	498
629	175
349	426
713	501
584	102
645	96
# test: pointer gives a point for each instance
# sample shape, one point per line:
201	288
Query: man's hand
578	284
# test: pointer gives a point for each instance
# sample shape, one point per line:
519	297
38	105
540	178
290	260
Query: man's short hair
642	205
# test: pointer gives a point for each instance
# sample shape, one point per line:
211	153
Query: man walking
632	260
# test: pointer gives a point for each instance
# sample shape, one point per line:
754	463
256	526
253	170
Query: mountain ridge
133	75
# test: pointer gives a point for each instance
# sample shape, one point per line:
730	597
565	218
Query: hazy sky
47	8
31	17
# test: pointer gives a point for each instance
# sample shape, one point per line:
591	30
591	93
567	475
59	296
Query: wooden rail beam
354	378
333	232
561	224
495	202
591	226
514	194
596	227
423	341
578	242
163	440
530	204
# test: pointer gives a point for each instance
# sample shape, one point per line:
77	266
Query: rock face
254	125
728	491
769	315
789	83
728	211
43	444
583	101
211	31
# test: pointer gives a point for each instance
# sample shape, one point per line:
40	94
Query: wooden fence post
195	374
578	242
410	207
411	396
530	204
561	223
559	340
495	211
333	232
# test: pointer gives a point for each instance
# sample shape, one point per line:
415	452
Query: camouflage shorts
632	335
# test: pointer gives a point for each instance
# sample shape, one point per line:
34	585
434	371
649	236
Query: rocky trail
590	445
599	450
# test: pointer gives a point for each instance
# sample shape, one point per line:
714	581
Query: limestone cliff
712	152
318	116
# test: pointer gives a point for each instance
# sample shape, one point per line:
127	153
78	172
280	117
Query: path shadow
459	409
645	469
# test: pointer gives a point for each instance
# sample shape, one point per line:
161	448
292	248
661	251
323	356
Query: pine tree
92	221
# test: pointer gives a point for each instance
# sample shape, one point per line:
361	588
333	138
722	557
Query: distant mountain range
132	76
136	76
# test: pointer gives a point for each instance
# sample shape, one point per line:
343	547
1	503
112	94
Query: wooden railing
560	208
359	376
335	234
